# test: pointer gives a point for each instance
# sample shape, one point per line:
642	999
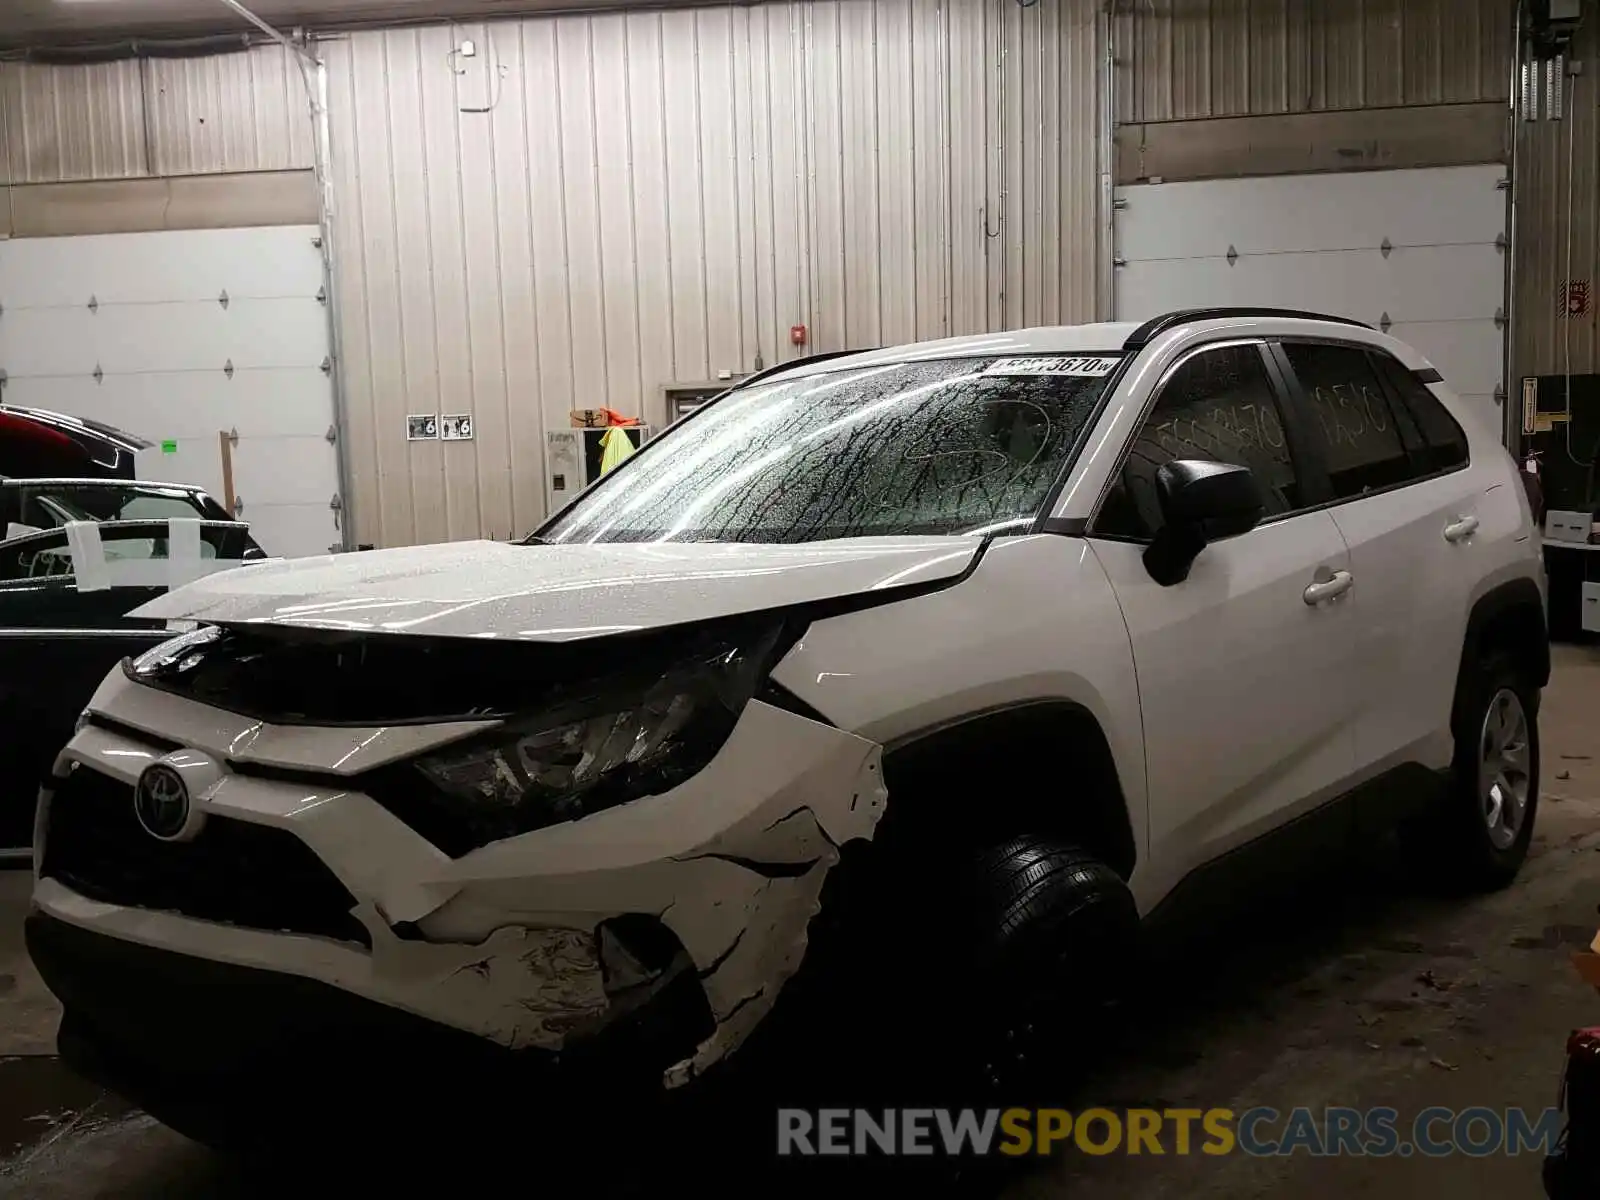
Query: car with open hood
973	655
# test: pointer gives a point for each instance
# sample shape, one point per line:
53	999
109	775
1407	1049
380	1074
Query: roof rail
1147	333
808	360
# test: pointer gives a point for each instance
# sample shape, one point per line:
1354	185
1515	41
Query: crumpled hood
556	593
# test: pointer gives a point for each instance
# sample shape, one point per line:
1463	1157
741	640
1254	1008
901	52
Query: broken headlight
177	654
618	741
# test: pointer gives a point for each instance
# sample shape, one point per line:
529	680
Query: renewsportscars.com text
1215	1132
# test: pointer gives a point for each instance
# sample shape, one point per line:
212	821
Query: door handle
1460	531
1336	585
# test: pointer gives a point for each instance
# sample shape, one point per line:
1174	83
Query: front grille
235	872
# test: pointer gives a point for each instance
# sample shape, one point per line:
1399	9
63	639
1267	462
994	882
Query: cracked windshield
963	446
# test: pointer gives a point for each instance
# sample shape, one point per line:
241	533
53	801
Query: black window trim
1310	474
1301	405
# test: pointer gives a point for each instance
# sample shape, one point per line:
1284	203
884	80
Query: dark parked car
77	556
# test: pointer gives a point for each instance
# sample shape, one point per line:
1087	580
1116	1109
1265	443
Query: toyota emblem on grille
161	803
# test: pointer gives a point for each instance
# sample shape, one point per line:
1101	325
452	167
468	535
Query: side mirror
1201	502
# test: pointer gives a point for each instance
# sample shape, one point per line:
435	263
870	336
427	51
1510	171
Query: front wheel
1050	932
1478	836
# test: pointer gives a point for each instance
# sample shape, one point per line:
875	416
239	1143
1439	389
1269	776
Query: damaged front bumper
696	901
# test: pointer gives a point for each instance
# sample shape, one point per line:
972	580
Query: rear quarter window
1444	442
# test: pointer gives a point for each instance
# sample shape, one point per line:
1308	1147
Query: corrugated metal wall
1558	221
1183	59
1194	59
592	207
153	117
659	196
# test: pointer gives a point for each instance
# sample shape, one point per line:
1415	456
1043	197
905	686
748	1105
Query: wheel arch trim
1520	595
1123	852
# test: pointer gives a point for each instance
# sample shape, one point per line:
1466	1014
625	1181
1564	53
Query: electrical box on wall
1551	24
572	459
1564	412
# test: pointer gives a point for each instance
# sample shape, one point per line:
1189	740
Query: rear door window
1350	418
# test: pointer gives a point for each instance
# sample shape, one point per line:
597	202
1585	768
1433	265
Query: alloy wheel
1504	768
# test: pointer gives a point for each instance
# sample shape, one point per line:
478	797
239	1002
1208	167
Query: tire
1476	838
1050	931
229	1138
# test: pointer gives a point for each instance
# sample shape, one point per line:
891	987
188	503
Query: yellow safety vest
615	447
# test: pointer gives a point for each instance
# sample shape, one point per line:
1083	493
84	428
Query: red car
35	444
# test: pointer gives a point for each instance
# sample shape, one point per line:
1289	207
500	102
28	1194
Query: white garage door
1318	242
179	337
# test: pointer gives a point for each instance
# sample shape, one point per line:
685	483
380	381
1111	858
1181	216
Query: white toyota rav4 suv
993	645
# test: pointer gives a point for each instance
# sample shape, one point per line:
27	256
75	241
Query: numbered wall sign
422	427
1575	298
456	427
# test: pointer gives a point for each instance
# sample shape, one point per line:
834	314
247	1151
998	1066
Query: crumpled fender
733	862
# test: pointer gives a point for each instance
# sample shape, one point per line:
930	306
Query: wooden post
225	444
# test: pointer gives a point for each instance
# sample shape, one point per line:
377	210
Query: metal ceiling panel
65	22
127	119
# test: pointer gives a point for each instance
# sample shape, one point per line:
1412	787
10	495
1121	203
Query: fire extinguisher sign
1575	298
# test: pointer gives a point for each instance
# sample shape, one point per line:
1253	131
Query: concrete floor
1358	990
